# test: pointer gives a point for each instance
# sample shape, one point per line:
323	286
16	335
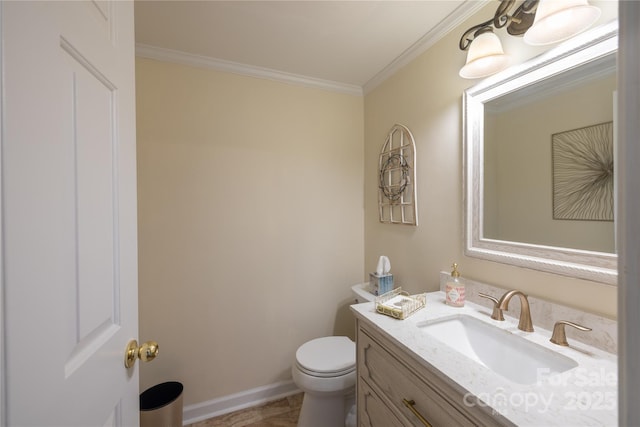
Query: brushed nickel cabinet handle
411	405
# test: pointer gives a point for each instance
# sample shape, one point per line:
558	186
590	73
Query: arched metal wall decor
397	178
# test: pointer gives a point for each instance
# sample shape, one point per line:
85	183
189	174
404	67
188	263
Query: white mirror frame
595	266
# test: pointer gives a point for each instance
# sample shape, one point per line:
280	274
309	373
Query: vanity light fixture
540	21
485	56
558	20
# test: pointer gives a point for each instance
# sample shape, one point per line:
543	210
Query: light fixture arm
518	23
473	32
502	17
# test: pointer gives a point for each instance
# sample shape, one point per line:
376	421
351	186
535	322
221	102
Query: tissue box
381	284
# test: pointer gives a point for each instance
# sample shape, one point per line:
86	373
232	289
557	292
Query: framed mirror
539	161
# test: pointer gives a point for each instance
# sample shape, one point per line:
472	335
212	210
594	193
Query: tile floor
280	413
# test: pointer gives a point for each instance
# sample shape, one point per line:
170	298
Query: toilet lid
327	355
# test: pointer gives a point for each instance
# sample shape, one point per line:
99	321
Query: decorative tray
399	304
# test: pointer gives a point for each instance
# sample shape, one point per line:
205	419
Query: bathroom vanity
410	375
391	386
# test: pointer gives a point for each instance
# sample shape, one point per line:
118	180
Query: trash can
161	405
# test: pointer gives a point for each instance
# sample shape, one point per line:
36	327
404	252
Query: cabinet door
395	381
372	411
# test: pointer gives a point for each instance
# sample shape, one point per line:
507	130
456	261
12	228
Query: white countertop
583	396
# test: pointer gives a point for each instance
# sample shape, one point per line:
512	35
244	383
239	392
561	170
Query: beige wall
250	224
426	96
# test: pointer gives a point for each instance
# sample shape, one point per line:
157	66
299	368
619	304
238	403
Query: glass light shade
485	57
558	20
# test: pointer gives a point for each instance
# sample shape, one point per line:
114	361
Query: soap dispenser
454	289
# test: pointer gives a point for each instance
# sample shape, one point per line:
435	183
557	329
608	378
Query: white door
69	213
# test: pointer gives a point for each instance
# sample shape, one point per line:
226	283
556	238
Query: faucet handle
497	312
559	337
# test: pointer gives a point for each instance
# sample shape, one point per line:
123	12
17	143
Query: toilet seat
327	357
325	374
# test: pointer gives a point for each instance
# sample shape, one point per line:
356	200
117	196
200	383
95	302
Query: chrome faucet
525	323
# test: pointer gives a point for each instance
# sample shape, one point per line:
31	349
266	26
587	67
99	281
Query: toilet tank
361	293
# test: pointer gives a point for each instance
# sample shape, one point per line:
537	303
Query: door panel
92	99
69	208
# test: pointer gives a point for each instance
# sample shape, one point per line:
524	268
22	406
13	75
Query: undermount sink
506	354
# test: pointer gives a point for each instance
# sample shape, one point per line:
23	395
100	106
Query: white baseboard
234	402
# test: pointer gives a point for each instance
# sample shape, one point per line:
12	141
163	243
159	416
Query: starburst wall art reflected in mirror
583	173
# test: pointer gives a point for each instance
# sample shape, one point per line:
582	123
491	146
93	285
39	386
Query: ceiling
356	44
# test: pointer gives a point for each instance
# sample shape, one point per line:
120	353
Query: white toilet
325	369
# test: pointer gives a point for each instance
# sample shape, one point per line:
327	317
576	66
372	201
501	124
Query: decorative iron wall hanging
397	178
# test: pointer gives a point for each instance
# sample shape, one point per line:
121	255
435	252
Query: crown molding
184	58
452	21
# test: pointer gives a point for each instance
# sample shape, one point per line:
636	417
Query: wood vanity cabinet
389	378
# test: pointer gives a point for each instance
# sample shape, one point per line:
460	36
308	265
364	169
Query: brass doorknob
146	352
